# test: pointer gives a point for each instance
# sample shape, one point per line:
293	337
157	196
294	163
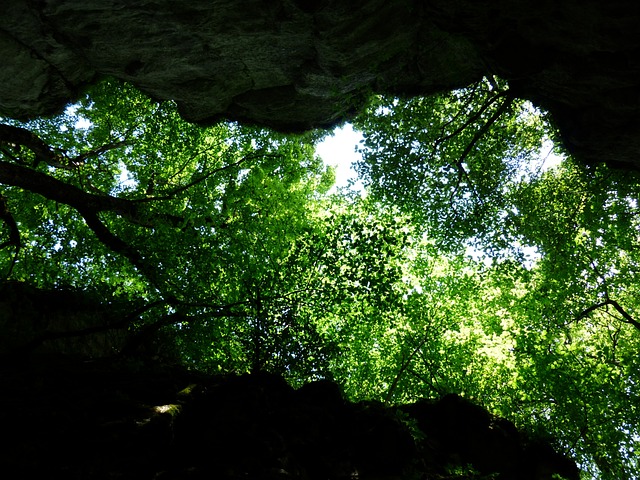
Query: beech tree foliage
468	266
527	298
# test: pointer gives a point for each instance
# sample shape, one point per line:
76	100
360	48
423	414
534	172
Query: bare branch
403	368
110	240
62	192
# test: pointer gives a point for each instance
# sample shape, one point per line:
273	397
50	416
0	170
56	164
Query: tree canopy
467	266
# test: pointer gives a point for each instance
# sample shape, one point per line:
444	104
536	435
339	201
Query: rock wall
105	420
295	65
58	321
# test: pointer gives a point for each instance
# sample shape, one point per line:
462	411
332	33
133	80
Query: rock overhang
295	65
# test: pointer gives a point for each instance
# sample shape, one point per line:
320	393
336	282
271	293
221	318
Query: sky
339	150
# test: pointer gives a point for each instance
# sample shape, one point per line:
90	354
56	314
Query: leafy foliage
468	266
539	322
441	158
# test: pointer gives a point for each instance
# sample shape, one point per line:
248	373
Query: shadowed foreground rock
294	64
98	420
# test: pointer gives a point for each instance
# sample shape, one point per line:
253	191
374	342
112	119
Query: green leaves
535	322
466	267
449	159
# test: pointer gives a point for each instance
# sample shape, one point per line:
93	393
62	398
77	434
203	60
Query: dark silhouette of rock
57	321
295	65
104	419
541	462
458	432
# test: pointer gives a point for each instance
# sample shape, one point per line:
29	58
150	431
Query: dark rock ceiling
294	64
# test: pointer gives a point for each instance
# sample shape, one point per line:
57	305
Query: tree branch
96	151
403	368
472	118
88	205
62	192
21	136
14	232
9	221
111	241
480	133
59	191
462	172
626	317
171	194
13	135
